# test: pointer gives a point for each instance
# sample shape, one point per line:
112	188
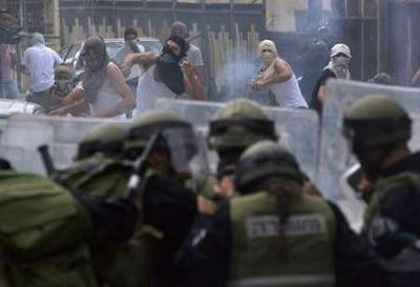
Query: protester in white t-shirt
40	61
194	55
276	76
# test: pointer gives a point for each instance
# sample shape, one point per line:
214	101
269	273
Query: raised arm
193	86
146	60
282	72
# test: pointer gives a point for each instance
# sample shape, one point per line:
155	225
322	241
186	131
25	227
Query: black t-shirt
315	103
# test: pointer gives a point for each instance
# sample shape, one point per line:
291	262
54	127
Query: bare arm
76	94
321	93
415	78
128	99
282	72
76	108
200	71
193	86
146	60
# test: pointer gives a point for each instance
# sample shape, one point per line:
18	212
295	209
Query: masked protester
103	85
378	129
338	67
63	85
193	55
275	234
277	77
166	76
39	62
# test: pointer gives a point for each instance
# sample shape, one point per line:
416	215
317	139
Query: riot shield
298	129
23	134
184	146
335	157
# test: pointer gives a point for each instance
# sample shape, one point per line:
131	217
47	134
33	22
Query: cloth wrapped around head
37	38
168	64
180	29
96	59
267	45
268	53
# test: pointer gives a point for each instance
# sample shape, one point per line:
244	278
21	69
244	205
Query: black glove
387	238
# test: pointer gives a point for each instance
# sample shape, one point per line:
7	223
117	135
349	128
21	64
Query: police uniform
378	129
247	244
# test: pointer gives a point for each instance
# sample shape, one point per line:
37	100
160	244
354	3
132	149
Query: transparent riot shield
298	129
335	158
184	145
23	134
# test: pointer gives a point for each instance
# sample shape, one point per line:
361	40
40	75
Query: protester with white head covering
277	77
338	67
40	61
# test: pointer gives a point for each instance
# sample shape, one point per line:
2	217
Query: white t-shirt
288	94
40	62
194	56
148	91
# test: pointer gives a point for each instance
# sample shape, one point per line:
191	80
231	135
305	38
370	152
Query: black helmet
240	124
374	121
106	138
265	159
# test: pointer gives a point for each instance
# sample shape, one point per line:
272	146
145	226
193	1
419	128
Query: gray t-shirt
194	56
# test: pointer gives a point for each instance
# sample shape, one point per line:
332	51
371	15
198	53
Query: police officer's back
274	234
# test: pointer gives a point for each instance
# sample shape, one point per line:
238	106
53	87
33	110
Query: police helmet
374	121
263	160
144	126
238	125
105	138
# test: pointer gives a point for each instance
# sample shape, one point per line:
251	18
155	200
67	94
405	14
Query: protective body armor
408	260
82	170
258	257
43	232
406	180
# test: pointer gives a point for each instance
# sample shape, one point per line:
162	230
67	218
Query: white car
70	54
9	107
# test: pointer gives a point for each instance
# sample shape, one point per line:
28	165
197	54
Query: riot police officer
275	234
378	129
168	206
99	151
232	129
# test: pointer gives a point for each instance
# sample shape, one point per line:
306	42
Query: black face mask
170	72
168	51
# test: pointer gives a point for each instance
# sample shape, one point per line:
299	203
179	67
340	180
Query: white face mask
267	57
341	60
341	66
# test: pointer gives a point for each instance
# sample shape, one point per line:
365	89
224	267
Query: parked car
9	107
71	53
